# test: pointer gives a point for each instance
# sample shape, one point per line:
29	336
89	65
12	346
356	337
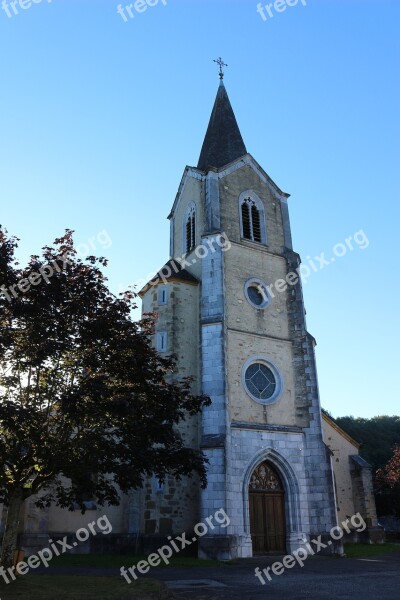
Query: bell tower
249	350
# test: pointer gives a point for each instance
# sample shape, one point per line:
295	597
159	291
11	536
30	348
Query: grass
366	550
66	587
49	587
117	560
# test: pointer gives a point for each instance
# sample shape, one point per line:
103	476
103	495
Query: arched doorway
267	510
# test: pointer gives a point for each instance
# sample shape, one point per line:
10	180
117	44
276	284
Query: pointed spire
223	142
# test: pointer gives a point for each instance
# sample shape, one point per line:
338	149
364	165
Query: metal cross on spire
221	64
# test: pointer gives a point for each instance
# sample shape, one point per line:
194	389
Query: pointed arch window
190	230
252	218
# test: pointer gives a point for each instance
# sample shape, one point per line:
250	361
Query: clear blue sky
100	116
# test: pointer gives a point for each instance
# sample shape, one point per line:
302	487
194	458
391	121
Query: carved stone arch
290	485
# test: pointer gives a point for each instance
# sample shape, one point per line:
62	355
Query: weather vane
221	64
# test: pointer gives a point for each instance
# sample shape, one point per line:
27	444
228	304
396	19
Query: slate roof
223	142
172	270
358	460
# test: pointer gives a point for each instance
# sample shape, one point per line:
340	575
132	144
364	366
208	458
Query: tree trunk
11	530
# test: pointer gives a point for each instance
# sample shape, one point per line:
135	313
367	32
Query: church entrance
267	511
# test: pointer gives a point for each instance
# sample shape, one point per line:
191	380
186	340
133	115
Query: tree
384	428
388	485
390	474
88	408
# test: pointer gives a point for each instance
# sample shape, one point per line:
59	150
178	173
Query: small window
262	380
158	485
162	296
190	230
256	293
161	341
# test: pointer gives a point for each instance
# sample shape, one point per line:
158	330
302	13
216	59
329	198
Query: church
234	315
229	305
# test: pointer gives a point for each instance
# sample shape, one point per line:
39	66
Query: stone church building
230	307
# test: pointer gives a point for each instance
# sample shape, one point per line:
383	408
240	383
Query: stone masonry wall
323	514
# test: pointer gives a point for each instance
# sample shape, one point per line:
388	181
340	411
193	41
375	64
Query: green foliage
87	407
378	436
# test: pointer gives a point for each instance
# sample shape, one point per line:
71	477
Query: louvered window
255	221
251	221
191	231
246	221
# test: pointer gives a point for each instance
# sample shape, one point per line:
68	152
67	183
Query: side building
353	482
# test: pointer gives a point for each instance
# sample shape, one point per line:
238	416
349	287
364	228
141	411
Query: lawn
366	550
68	587
127	560
53	587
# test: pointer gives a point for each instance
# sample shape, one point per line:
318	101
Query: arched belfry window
252	220
190	229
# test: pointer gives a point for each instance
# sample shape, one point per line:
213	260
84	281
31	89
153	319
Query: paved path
321	578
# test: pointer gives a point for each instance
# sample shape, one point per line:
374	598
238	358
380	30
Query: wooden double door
267	511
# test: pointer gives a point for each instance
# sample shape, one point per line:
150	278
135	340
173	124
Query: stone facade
236	432
205	318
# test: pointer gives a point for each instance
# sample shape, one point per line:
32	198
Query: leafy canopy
83	395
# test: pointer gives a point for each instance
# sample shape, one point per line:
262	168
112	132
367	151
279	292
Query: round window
261	380
256	293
